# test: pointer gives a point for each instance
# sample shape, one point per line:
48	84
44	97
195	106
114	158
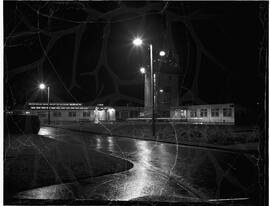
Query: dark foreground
161	172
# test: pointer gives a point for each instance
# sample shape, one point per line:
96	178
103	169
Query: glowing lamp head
142	70
42	86
161	90
137	42
162	53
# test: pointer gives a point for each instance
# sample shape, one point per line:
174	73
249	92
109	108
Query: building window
227	112
72	114
193	113
86	114
57	114
183	113
203	113
214	112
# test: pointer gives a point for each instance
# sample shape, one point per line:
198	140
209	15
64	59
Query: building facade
212	113
62	112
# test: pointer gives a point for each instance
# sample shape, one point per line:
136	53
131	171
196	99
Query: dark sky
83	50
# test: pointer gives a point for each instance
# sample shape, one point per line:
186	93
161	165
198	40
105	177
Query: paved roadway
162	172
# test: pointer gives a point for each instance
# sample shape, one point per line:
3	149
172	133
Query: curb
203	146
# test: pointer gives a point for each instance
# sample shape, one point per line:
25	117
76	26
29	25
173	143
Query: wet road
162	172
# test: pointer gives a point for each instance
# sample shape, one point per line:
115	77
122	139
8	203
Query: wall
99	115
176	113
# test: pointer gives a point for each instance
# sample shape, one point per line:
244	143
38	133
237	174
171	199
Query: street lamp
138	42
42	87
142	70
162	53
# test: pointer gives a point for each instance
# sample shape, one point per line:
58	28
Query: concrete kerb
185	144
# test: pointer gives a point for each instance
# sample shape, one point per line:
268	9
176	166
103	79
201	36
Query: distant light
137	42
42	86
27	112
142	70
161	90
110	110
162	53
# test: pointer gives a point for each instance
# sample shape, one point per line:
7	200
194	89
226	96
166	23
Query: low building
123	113
212	113
61	112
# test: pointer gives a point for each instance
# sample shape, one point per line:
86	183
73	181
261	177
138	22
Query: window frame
215	112
193	113
203	112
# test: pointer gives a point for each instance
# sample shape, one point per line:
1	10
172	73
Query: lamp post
139	42
43	86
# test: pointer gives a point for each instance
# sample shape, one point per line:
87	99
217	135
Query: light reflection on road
136	184
46	132
98	144
111	144
154	167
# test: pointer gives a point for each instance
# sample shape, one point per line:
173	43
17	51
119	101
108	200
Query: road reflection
110	144
136	185
98	143
46	131
159	169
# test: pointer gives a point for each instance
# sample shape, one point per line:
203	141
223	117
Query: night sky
84	50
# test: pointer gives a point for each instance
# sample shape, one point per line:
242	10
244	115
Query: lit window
182	113
203	113
215	112
193	113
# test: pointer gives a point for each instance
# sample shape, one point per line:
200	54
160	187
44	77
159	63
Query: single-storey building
210	113
61	112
